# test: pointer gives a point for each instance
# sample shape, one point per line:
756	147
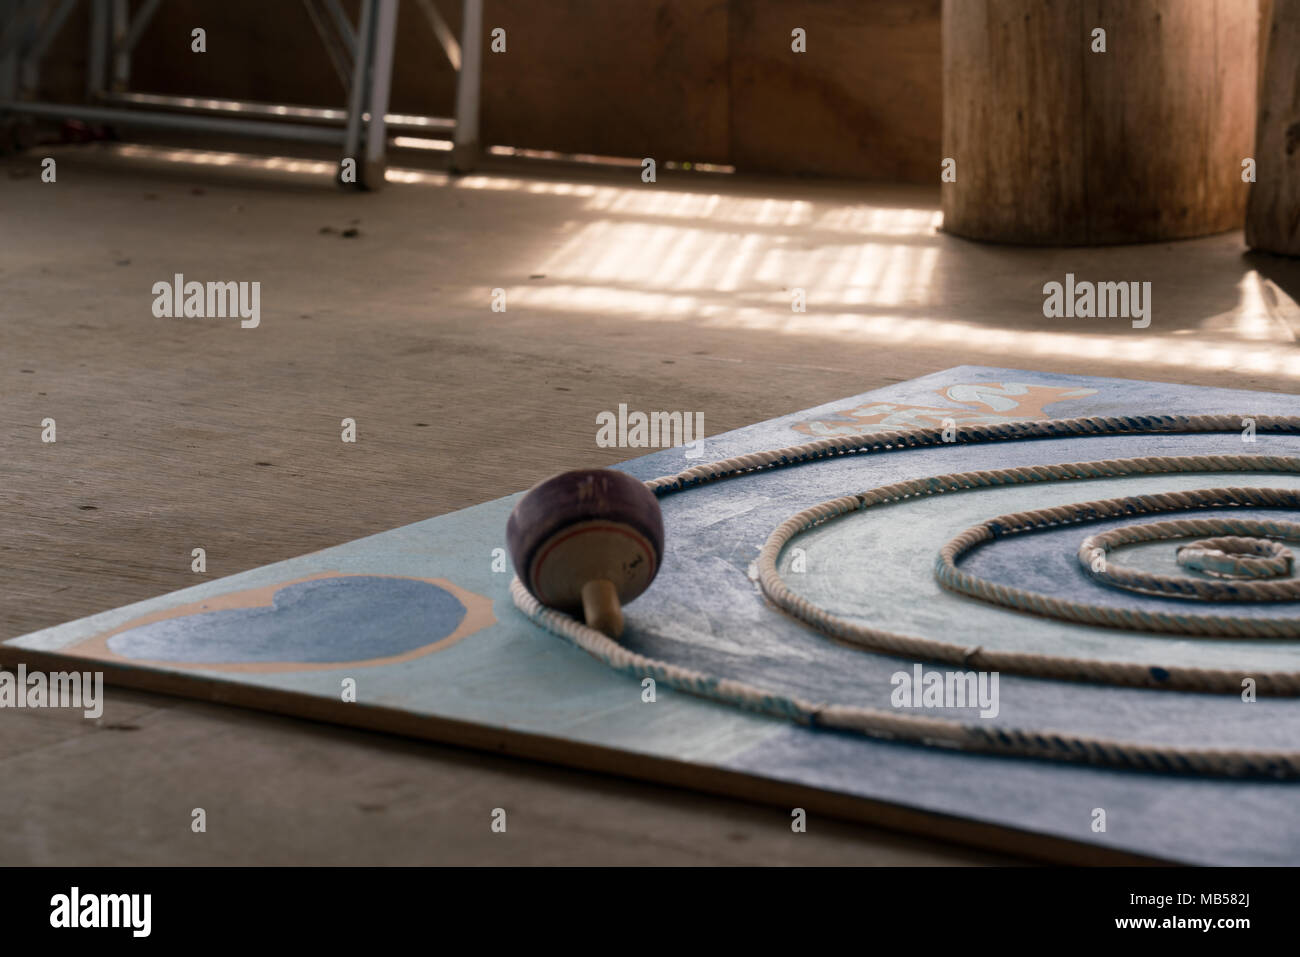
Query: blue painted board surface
422	622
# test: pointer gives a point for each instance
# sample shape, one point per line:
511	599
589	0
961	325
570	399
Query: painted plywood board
420	619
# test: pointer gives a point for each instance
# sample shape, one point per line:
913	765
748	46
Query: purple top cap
582	495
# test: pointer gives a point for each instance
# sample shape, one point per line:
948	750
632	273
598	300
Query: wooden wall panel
863	101
628	79
255	51
698	80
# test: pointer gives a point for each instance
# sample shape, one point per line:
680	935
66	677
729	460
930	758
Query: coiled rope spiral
967	735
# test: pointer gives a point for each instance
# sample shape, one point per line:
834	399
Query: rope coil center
1237	557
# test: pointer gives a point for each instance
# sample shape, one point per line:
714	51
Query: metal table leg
381	77
464	154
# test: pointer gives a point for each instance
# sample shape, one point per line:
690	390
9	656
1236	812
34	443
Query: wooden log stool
1056	142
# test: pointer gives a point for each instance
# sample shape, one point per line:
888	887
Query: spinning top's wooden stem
601	608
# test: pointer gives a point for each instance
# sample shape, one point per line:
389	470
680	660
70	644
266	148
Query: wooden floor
175	434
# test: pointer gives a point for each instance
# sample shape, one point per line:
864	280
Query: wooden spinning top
587	541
